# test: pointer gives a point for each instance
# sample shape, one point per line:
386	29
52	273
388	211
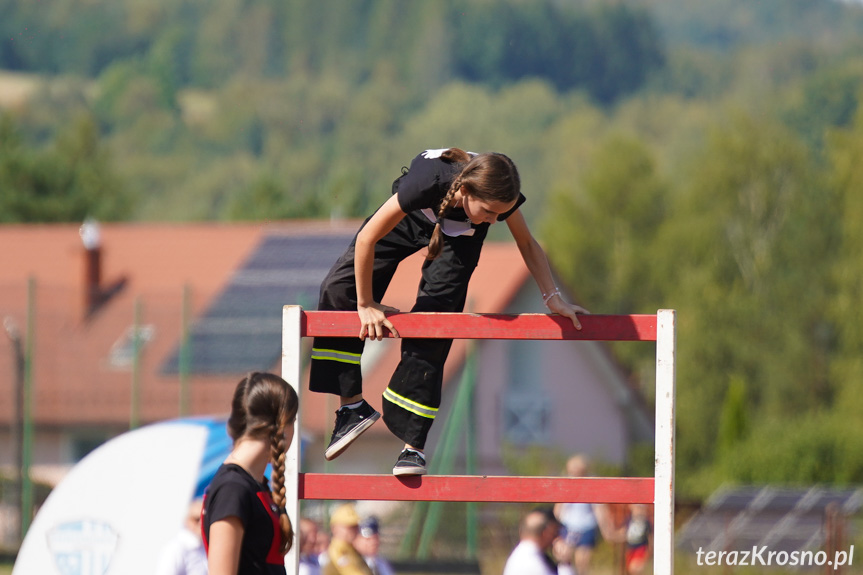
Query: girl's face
480	211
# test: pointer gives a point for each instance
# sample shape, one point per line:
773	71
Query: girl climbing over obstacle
446	202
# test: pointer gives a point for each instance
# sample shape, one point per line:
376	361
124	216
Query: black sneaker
350	424
410	463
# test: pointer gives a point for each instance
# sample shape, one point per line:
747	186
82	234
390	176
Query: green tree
169	63
817	448
828	99
608	51
265	199
69	181
734	418
745	255
128	92
599	234
846	178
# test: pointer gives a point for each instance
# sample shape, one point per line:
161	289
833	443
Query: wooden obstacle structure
658	491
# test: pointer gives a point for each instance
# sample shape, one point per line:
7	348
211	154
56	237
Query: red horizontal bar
488	326
483	488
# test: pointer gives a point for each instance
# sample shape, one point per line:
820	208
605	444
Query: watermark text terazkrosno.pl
764	556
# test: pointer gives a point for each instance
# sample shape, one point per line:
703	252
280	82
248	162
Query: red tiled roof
73	381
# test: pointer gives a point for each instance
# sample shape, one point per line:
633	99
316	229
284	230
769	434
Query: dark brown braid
277	479
488	177
263	406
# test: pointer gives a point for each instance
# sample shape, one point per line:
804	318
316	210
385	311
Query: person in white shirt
537	532
583	523
185	554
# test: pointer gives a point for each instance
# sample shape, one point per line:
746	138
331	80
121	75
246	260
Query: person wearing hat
369	544
343	557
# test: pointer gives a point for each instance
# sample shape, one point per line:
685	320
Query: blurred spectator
584	522
185	554
562	554
639	539
308	559
537	532
322	543
369	544
342	556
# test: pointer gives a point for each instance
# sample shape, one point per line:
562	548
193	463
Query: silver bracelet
547	297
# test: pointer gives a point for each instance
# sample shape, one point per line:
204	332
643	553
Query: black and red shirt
235	493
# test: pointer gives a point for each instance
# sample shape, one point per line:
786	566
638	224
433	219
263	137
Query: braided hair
488	177
263	406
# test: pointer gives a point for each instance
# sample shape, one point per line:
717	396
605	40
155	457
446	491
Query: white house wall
592	409
584	417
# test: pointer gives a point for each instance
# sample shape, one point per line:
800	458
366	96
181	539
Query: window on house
527	418
527	409
81	445
122	352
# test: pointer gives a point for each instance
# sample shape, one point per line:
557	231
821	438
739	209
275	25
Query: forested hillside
703	156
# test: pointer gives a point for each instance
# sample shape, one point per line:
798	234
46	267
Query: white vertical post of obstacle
663	498
292	373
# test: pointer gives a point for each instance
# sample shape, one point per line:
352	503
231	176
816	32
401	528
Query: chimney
95	293
91	237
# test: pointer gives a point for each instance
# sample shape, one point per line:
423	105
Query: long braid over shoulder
263	406
277	479
489	177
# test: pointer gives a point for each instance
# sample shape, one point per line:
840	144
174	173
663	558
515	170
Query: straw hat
345	515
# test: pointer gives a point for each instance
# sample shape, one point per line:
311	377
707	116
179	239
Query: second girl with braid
245	526
445	202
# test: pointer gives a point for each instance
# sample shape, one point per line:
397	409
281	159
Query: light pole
18	424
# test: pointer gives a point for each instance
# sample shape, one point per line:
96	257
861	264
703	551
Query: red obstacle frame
658	490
